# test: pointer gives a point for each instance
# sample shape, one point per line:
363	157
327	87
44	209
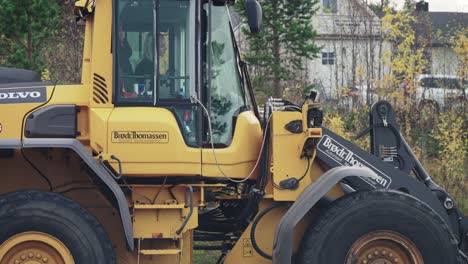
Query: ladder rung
147	252
159	206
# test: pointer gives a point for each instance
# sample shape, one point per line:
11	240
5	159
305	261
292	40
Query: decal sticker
248	249
23	95
345	157
140	137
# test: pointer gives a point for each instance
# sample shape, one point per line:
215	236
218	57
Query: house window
328	58
330	6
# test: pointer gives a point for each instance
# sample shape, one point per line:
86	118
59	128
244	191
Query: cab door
149	142
235	129
153	128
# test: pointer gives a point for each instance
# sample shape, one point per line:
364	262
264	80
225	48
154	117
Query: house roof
445	24
365	8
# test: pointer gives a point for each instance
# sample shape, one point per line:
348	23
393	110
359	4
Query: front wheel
378	227
42	227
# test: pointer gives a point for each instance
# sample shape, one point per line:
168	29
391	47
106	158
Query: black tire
333	234
57	216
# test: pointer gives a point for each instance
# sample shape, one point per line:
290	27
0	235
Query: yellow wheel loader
161	147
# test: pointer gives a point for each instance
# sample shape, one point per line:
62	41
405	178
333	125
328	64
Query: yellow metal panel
159	206
70	94
239	158
160	251
101	57
156	223
286	161
163	217
167	156
98	128
11	119
286	157
143	195
162	223
83	125
11	123
243	251
87	52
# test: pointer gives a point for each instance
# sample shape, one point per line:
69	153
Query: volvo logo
24	95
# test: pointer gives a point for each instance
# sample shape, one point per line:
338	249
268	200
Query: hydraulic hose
254	227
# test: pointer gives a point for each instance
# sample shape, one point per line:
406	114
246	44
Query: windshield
153	45
226	93
447	83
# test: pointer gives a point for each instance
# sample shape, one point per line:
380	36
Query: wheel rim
384	247
34	248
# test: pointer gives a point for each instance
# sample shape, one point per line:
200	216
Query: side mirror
254	15
83	8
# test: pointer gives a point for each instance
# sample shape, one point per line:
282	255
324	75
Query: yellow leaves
360	72
450	133
347	129
406	60
460	41
336	124
294	94
45	75
398	25
460	45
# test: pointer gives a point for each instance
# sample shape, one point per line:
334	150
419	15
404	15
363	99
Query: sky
440	5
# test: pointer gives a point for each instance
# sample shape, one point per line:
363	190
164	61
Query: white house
445	61
352	47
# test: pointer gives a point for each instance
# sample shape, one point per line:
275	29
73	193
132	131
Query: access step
159	206
152	252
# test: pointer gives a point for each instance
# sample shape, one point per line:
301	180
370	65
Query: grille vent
100	94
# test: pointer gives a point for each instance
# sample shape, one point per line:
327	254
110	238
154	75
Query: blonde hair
148	47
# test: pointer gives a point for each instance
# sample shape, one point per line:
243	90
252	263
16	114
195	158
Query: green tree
406	60
64	53
279	51
27	25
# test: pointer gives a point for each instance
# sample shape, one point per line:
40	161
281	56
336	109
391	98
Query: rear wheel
42	228
378	227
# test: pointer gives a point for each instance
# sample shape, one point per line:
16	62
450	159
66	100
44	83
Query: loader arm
359	170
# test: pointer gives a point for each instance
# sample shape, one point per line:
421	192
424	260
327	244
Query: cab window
152	51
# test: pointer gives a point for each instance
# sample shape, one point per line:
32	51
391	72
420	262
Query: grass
206	256
462	198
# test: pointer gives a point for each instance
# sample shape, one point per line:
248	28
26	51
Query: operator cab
175	61
158	44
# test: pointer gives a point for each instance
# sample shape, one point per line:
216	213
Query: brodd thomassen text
140	137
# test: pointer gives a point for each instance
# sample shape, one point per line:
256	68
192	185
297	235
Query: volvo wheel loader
161	147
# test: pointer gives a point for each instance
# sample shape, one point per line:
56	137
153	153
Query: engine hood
12	75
